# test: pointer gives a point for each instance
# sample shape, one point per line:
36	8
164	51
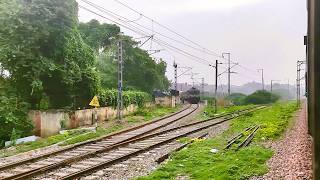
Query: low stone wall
49	123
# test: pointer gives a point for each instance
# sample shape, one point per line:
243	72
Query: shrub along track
102	155
100	143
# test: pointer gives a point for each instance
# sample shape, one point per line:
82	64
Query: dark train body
191	96
312	41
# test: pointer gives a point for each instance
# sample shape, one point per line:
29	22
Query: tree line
53	61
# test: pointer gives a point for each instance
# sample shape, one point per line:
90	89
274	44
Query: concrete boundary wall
48	123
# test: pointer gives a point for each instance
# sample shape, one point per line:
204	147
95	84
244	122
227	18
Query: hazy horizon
259	34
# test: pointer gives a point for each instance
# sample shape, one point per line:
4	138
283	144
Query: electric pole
202	86
216	88
272	84
229	72
120	78
175	75
299	64
262	78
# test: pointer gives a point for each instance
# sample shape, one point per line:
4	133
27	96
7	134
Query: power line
141	32
169	29
117	16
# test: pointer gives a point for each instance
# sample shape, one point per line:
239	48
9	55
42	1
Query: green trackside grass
197	162
41	143
149	113
208	111
77	136
142	115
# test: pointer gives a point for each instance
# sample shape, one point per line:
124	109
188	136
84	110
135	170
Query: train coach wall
48	123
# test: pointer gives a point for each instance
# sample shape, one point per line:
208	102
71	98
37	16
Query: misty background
264	34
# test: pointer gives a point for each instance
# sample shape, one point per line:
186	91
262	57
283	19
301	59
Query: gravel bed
29	154
145	163
140	165
292	159
186	120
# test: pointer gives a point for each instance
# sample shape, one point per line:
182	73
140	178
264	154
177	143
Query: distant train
192	96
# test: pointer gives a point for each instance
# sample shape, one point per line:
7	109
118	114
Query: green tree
45	54
141	72
261	97
13	117
98	36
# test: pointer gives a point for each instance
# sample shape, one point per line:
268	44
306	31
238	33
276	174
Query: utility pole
120	78
202	86
299	64
289	95
229	71
215	85
272	84
216	88
175	75
262	78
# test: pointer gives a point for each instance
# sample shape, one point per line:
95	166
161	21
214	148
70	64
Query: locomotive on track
192	96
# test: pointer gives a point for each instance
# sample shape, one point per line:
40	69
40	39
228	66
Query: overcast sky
258	33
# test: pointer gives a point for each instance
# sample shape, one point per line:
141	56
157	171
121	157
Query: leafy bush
261	97
109	98
13	119
237	98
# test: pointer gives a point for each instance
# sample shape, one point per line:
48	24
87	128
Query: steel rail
126	156
22	174
249	138
238	136
41	170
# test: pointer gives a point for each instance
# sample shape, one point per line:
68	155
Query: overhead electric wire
141	32
117	16
169	29
158	41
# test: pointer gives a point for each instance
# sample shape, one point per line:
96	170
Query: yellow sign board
94	102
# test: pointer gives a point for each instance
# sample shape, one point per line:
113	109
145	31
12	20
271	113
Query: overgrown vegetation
149	113
52	61
209	111
230	164
141	73
237	98
261	97
258	97
13	118
109	98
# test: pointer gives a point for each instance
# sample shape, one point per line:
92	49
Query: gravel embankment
292	158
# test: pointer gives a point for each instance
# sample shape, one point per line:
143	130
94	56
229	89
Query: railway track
102	155
90	147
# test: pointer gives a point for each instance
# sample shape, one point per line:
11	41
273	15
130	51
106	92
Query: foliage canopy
261	97
44	52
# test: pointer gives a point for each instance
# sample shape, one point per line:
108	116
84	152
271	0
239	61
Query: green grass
77	136
197	162
209	112
92	135
41	143
149	113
